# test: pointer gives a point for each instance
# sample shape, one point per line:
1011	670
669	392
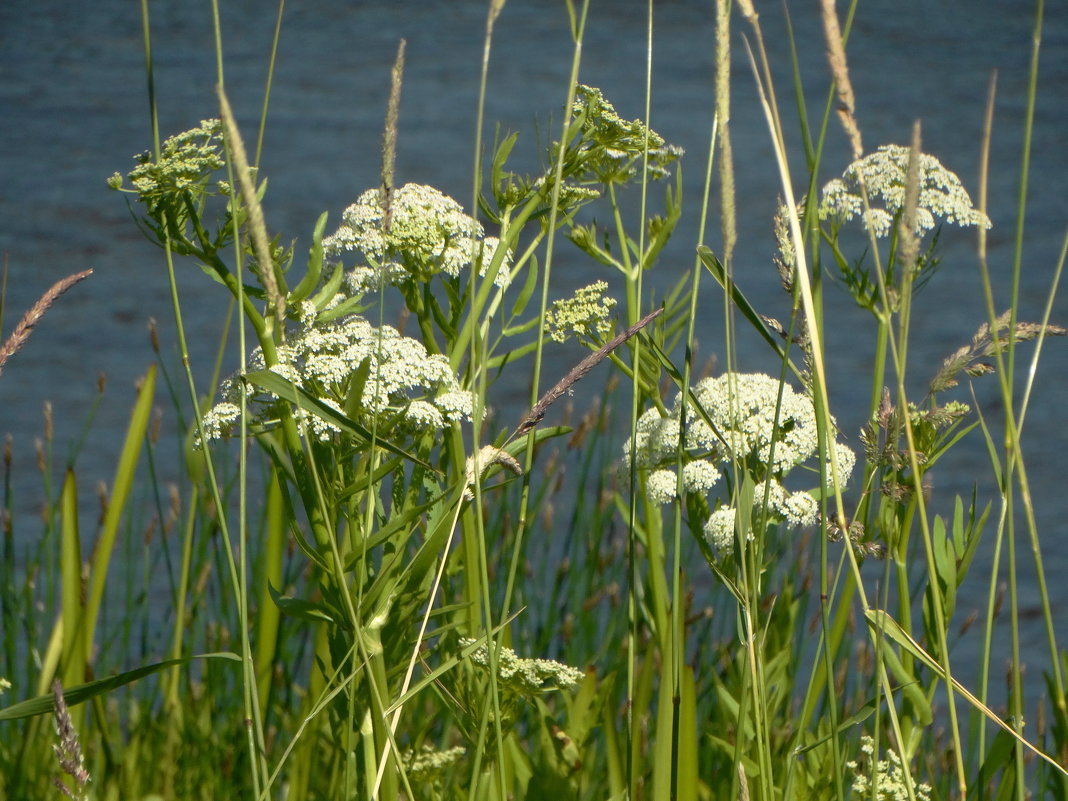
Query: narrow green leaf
499	361
315	263
75	649
43	704
330	288
883	623
529	285
120	493
301	608
716	268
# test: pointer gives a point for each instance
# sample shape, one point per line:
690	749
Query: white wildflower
775	493
664	440
649	422
220	420
285	369
886	775
700	476
743	406
321	429
942	196
719	529
846	460
400	381
527	675
661	485
428	762
424	415
799	509
748	424
4	685
429	233
456	404
307	312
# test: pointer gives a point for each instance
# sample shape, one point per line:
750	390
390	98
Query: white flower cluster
428	762
942	196
585	315
527	675
886	775
403	382
741	408
429	233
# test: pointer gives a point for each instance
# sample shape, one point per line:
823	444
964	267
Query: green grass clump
375	588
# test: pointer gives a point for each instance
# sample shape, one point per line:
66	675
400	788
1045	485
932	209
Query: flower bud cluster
584	315
186	162
613	148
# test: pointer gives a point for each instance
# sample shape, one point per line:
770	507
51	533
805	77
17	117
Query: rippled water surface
73	110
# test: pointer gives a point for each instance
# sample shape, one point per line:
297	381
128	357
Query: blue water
73	109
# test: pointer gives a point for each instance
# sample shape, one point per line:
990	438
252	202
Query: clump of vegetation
363	547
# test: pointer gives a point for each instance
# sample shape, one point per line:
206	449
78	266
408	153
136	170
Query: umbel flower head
942	196
427	762
401	382
741	408
883	779
526	676
429	233
612	148
186	164
584	315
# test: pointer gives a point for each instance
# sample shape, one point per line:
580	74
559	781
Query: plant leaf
43	704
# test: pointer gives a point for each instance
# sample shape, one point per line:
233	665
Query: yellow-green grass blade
43	704
120	493
75	650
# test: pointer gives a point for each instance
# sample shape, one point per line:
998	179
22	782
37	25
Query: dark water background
73	110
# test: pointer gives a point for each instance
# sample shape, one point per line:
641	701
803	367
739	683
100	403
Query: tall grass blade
120	493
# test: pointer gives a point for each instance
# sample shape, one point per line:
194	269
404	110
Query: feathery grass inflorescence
68	750
18	336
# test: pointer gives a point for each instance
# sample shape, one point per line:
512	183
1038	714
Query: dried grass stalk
909	242
389	138
30	319
537	411
257	226
723	118
840	71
